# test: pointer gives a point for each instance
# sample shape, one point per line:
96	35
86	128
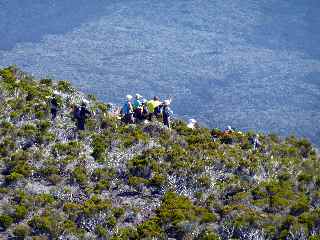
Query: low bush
5	221
80	176
99	145
20	212
65	86
21	231
149	229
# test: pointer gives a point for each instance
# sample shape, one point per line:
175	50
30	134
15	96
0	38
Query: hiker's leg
150	116
81	124
126	119
53	114
166	121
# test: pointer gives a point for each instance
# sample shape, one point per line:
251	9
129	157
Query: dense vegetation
143	181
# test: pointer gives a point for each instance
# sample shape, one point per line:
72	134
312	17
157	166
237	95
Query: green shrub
314	237
22	231
28	130
157	181
95	205
80	175
111	221
103	107
109	123
44	224
6	147
137	182
118	212
44	199
101	231
204	181
4	190
43	125
304	146
13	177
132	135
126	233
65	86
72	148
175	209
49	170
301	205
305	177
149	229
307	218
46	81
208	217
70	226
20	212
102	185
5	221
102	174
72	209
99	146
209	235
140	166
23	168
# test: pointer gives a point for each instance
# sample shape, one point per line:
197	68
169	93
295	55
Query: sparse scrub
144	181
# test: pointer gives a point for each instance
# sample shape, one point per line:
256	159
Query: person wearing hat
192	123
83	115
167	113
137	101
256	142
137	107
127	110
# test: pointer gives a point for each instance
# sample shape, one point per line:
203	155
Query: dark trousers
166	121
138	114
150	116
157	111
81	124
128	118
53	113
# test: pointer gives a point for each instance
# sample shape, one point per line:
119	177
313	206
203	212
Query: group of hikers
133	111
138	109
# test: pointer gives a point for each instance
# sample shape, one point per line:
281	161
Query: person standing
137	107
127	110
256	142
153	106
54	107
83	115
167	113
145	111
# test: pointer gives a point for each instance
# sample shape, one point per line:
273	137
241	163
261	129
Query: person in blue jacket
137	107
167	113
127	111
